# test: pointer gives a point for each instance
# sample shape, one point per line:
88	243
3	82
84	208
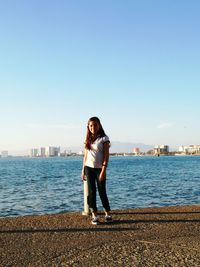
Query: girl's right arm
84	160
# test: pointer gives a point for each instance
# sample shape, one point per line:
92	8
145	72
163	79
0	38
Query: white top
95	153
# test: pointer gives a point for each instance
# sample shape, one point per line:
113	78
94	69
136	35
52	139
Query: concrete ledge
168	236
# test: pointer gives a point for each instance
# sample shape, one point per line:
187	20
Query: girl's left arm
106	147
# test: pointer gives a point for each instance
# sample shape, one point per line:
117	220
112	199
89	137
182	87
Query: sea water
30	186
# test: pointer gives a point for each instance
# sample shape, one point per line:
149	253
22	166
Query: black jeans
92	175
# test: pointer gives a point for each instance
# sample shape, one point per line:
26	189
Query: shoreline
100	212
112	154
137	237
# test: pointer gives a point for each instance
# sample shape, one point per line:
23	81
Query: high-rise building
34	152
52	151
49	151
42	152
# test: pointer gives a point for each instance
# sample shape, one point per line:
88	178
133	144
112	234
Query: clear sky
135	64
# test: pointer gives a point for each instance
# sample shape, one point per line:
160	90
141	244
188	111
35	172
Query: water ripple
43	186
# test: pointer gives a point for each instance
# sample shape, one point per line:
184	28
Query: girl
95	162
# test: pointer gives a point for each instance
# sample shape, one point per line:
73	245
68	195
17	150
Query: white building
81	153
49	151
52	151
191	149
42	152
34	152
182	149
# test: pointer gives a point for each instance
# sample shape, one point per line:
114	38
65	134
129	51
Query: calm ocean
53	185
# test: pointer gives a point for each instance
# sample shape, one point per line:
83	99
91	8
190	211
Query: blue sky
135	64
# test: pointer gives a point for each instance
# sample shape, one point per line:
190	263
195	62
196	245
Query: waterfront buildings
49	151
191	149
157	150
161	149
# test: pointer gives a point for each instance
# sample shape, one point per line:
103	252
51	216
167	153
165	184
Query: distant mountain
122	147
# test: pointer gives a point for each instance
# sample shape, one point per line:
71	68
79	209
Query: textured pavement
167	236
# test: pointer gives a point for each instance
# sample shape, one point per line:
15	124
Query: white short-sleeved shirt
95	153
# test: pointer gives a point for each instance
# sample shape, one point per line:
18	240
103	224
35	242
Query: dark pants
92	175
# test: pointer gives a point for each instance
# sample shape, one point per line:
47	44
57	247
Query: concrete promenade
167	236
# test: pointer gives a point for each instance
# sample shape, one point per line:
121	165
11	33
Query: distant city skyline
116	147
134	64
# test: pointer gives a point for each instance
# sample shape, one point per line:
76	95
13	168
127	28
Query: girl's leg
103	195
91	189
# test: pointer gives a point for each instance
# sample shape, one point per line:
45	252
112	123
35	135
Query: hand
102	175
83	175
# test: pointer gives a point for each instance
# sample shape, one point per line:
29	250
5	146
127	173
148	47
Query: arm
105	160
84	160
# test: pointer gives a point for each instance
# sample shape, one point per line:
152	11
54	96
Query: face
94	127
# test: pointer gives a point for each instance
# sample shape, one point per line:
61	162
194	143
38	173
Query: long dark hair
89	136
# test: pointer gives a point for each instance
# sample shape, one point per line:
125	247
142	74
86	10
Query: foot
95	220
108	218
